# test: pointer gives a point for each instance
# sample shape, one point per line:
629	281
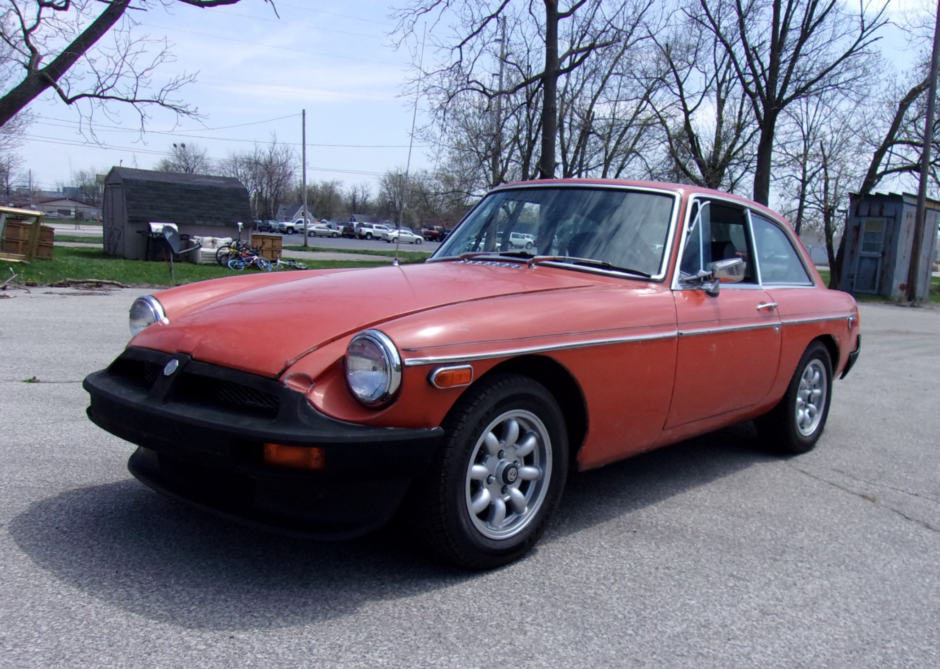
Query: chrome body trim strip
736	328
505	353
821	319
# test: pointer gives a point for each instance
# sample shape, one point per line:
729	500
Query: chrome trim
156	310
432	377
821	319
393	382
766	305
670	234
736	328
505	353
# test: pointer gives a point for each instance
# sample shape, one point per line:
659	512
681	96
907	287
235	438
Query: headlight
145	312
373	368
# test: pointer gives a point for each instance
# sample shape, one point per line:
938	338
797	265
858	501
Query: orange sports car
463	390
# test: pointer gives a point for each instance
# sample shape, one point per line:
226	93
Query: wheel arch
563	386
832	346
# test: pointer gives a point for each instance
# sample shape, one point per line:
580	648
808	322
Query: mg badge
171	367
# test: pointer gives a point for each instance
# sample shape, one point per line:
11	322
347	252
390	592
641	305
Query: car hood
263	330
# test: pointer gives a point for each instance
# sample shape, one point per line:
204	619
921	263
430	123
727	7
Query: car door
729	344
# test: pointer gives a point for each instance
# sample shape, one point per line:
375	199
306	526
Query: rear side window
779	261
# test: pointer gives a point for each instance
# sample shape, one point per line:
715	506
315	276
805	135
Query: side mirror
727	271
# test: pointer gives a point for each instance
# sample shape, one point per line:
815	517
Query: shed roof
181	198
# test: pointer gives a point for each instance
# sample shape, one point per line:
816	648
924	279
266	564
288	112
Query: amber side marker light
452	377
295	457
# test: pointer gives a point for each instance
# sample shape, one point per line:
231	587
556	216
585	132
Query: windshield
619	228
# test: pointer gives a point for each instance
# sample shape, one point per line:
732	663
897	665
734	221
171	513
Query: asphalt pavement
708	553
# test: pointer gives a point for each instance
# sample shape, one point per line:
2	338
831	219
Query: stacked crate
270	245
16	237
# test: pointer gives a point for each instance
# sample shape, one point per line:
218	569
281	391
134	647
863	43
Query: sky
256	72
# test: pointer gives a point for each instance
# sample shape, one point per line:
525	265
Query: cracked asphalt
708	553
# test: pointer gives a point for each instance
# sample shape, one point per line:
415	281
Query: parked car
322	230
521	240
268	226
381	231
370	230
348	229
473	383
293	227
433	234
403	236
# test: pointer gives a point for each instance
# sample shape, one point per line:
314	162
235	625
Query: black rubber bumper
853	357
201	430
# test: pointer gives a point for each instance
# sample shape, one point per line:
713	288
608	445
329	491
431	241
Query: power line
220	139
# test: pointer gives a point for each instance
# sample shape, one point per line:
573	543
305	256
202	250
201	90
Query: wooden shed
201	205
879	237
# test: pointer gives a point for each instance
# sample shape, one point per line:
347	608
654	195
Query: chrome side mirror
718	272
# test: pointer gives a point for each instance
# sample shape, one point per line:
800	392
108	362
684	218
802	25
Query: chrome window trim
659	277
677	285
506	353
811	282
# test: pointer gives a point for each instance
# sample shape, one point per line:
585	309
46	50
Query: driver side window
720	233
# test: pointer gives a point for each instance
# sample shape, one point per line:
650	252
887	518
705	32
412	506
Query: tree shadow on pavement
161	559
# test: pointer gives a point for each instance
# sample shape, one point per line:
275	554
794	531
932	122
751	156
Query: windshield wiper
502	255
588	262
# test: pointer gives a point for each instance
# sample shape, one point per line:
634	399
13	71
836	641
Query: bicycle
289	264
234	249
248	260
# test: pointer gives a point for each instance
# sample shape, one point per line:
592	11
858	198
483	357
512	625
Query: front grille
227	396
141	374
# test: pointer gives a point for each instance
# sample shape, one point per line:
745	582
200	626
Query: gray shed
879	238
199	205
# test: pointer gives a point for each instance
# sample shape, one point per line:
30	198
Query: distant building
197	204
67	208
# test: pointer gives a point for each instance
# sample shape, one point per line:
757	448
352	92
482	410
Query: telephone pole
303	169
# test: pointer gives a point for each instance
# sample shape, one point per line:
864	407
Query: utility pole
303	170
920	218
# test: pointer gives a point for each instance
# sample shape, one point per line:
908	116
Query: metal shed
199	205
879	236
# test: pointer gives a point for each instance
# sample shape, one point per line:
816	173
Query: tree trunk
38	81
765	147
549	92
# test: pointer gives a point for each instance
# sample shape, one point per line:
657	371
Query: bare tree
186	159
10	165
267	173
58	45
785	50
706	119
468	59
358	198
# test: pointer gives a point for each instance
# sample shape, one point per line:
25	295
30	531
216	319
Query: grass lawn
404	256
93	263
934	290
79	238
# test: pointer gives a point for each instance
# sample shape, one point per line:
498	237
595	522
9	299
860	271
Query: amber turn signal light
452	377
295	457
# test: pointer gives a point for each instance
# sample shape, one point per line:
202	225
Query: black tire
418	240
369	236
796	423
525	466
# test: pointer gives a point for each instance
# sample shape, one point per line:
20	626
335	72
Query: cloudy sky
256	72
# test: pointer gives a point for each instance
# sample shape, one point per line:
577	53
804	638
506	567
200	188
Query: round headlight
373	368
145	312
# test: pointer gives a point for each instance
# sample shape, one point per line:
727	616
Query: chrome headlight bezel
383	389
144	312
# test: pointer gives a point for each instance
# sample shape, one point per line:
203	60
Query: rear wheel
263	265
236	264
498	475
796	423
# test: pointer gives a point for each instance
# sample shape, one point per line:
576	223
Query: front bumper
201	430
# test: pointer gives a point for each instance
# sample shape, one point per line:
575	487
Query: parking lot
708	553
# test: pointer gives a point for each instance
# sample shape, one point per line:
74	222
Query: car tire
418	240
369	236
796	423
497	477
335	234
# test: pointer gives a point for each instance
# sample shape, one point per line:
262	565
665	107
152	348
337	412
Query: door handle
767	305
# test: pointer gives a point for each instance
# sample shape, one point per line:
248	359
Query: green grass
934	291
79	238
92	263
406	256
